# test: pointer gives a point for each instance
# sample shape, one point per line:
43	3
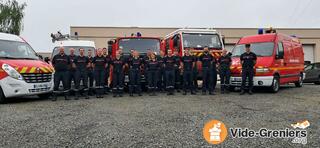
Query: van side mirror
47	59
279	56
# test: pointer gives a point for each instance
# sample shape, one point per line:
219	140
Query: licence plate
37	86
237	79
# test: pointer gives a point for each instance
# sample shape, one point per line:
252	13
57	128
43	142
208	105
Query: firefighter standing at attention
107	72
188	63
177	71
170	65
195	70
61	64
248	61
90	72
224	69
99	63
72	70
213	82
135	63
153	69
81	63
118	65
161	75
206	60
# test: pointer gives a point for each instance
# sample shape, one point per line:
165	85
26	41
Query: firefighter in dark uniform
161	73
135	64
170	65
188	63
72	70
248	61
81	63
177	72
146	59
107	73
61	64
213	82
90	72
206	60
195	71
224	70
118	65
99	64
153	69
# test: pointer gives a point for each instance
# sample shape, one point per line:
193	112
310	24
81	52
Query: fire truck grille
37	77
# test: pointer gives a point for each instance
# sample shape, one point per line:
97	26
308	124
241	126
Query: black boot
185	92
250	92
54	96
193	92
242	92
77	94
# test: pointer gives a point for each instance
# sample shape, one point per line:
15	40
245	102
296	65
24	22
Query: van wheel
299	83
275	84
44	96
2	97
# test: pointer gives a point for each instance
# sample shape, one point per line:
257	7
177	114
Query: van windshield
16	50
200	40
67	50
260	49
139	44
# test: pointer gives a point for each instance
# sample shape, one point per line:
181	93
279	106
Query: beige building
310	38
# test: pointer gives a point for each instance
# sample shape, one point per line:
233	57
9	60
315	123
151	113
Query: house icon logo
215	132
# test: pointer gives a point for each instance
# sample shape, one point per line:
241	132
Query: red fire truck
280	60
136	42
196	39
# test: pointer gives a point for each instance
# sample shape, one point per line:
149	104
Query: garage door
308	52
229	47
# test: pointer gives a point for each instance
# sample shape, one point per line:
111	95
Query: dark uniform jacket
81	62
188	62
61	62
170	62
224	62
248	60
206	60
99	62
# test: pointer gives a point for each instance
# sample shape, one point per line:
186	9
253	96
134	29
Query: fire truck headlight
262	70
11	72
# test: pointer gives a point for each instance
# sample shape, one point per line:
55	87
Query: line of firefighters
164	72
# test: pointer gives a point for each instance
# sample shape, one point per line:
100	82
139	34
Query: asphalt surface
160	121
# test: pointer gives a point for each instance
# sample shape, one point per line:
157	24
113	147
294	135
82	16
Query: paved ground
157	121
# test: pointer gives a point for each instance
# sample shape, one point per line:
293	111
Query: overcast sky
45	16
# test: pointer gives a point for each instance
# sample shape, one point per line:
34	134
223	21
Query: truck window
16	50
200	40
139	44
260	49
176	42
67	50
280	52
167	45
